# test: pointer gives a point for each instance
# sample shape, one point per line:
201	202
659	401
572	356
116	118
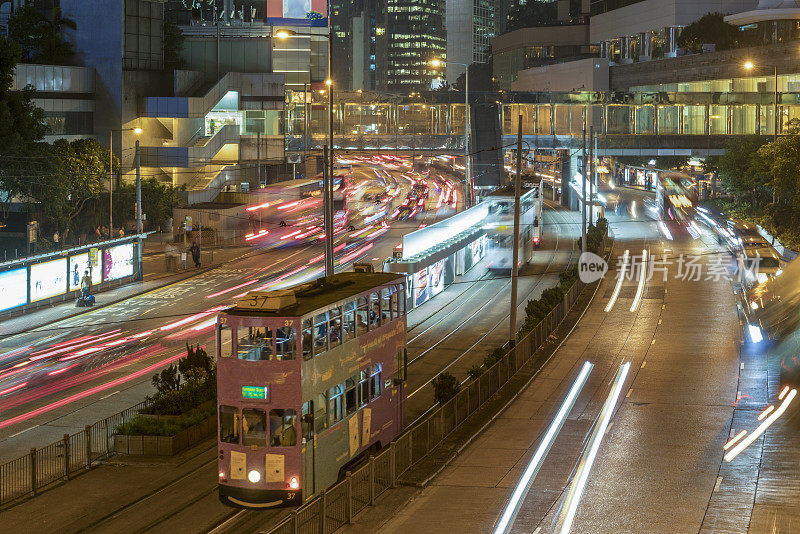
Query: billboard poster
78	264
420	286
436	278
118	262
298	12
48	279
13	288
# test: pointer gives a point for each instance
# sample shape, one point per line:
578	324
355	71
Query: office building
470	29
415	35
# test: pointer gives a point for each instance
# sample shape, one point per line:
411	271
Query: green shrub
493	357
475	372
149	426
176	397
445	387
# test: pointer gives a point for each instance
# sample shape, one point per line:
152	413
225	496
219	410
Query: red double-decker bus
310	380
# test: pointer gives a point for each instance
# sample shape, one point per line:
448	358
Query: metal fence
338	505
41	467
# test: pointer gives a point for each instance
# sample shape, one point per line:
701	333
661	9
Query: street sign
188	223
94	257
397	254
33	228
294	157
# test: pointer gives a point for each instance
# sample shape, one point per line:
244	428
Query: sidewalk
156	276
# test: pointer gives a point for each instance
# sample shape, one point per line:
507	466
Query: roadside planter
150	445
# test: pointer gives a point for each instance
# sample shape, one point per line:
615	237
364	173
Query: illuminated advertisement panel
298	12
13	289
48	279
436	278
78	264
420	286
118	262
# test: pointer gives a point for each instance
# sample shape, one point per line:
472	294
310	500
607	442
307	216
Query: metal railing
338	505
29	474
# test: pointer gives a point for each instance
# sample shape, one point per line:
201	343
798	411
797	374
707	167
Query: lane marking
716	486
22	431
653	341
628	394
109	395
643	364
741	366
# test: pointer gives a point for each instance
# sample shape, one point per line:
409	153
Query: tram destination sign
255	392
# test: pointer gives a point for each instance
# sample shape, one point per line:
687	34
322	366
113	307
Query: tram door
309	450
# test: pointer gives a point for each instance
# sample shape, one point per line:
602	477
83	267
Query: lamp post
467	167
749	65
328	156
137	131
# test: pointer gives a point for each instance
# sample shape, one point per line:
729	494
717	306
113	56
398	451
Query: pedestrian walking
195	250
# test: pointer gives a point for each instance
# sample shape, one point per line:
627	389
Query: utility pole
583	194
258	157
327	207
139	228
111	183
512	323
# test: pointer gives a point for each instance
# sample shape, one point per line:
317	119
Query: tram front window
228	424
254	427
281	428
256	344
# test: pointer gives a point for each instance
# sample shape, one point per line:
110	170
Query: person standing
86	284
195	250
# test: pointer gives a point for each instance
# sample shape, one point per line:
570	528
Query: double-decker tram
310	380
500	226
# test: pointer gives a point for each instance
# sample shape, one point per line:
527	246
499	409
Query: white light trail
621	279
735	438
665	230
582	475
525	482
742	445
642	277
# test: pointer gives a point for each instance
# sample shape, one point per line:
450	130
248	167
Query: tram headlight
254	476
293	483
221	474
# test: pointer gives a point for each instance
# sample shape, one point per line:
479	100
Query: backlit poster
13	288
291	12
436	278
78	264
118	262
420	287
48	279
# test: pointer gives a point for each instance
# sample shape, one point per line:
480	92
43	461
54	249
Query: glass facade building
415	35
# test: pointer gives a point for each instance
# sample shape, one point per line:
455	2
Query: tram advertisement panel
436	278
420	286
118	262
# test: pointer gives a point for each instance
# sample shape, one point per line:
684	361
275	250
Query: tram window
224	340
254	427
375	381
320	333
386	296
307	421
307	343
335	318
281	428
349	322
284	343
336	404
321	413
375	309
363	389
350	394
362	316
255	344
401	299
228	424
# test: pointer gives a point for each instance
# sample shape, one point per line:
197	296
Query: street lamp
435	63
138	131
327	187
749	65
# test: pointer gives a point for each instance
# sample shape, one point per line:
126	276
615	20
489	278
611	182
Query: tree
21	128
78	172
41	37
743	172
711	28
173	45
480	78
531	15
445	387
158	201
781	159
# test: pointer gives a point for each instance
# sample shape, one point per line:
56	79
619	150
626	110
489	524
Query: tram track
463	354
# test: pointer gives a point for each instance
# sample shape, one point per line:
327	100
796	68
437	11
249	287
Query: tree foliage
173	45
21	128
711	28
445	387
743	172
41	37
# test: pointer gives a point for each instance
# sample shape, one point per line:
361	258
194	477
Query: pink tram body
310	379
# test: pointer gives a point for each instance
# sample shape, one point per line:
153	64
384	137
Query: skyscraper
470	29
415	35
